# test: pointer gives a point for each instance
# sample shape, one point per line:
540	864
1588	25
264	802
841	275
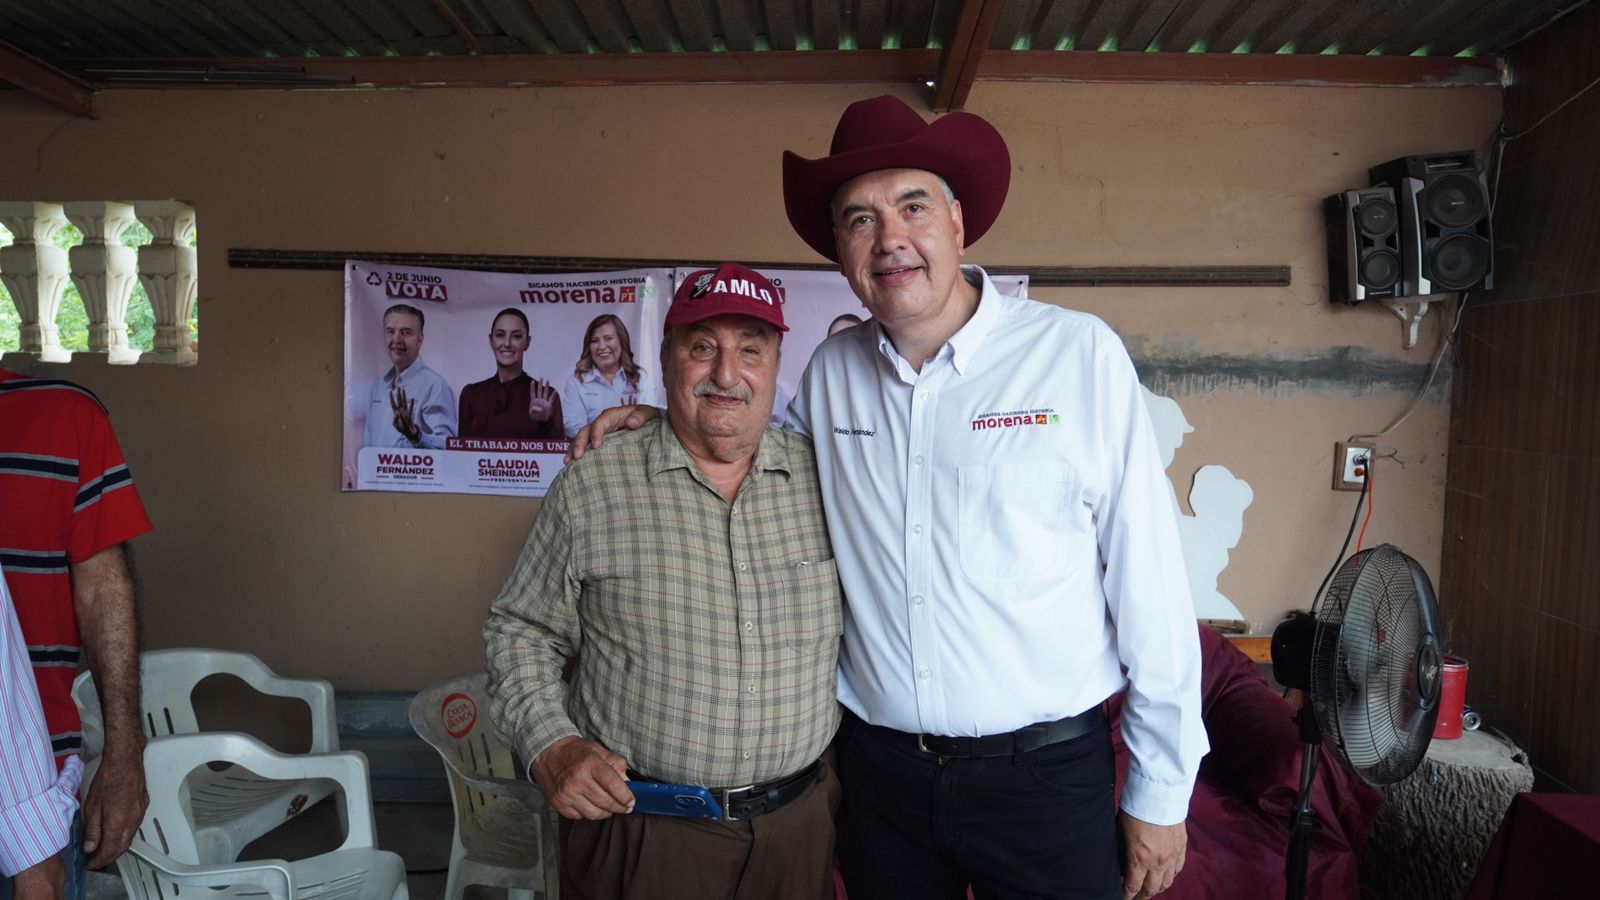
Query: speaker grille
1378	218
1380	269
1459	261
1455	201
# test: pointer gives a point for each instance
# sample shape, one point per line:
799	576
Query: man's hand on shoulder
592	435
1152	856
582	780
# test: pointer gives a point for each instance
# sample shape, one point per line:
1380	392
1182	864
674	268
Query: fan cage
1378	618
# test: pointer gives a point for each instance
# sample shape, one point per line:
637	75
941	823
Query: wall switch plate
1347	458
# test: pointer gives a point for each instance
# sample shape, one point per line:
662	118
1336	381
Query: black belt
760	799
1024	739
768	796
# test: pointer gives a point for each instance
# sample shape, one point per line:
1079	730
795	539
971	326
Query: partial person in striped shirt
69	508
36	802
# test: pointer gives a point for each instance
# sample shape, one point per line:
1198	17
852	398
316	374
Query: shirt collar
666	452
962	345
593	376
408	375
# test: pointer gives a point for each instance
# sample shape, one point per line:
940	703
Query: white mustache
707	389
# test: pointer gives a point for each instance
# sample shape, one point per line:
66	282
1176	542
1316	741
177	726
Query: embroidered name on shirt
854	432
1015	419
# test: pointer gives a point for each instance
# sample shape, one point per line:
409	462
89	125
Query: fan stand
1303	819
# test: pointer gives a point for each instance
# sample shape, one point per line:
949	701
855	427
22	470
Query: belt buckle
727	804
923	746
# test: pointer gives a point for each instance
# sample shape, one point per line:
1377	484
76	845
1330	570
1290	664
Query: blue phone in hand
674	800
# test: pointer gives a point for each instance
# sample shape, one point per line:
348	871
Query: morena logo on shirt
1025	418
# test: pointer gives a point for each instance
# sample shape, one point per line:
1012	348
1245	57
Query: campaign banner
474	382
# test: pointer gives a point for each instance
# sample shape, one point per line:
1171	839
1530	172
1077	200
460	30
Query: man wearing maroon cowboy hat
687	567
1006	542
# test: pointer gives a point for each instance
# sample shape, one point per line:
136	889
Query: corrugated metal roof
81	30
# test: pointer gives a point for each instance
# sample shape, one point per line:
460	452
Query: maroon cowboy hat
885	133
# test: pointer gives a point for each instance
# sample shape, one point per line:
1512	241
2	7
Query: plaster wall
238	459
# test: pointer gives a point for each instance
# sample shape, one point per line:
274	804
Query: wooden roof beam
958	64
45	81
493	70
444	8
1242	68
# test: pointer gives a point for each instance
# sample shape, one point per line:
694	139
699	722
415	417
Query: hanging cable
1370	491
1558	108
1433	369
1317	597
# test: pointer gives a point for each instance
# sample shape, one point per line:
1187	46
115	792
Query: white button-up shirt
584	397
435	414
1006	538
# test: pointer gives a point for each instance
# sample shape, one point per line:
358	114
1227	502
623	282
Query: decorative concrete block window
102	277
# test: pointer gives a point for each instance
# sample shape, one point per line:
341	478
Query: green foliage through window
73	319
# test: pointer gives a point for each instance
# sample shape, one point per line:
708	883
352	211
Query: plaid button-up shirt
706	633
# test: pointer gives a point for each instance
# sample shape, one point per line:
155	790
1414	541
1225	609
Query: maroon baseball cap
728	290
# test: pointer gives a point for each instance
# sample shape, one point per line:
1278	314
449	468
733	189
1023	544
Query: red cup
1452	699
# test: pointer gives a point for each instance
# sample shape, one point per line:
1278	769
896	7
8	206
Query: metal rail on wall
1038	276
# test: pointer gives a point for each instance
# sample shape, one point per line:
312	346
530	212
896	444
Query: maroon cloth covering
1546	847
1239	813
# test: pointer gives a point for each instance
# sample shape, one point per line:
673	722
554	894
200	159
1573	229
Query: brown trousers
783	855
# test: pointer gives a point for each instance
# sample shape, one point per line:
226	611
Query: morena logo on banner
627	293
458	713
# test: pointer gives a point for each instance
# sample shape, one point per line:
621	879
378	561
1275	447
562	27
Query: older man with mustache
705	621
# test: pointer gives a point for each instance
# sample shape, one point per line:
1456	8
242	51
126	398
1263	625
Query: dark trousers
1035	825
783	855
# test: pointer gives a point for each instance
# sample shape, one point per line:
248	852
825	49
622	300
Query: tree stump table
1435	826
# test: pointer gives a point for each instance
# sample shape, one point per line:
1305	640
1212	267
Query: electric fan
1369	659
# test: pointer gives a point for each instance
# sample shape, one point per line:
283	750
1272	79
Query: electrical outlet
1347	458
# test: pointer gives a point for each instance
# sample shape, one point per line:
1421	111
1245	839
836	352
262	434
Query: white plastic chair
230	807
166	853
505	834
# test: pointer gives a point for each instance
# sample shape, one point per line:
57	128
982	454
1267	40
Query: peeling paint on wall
1171	369
1218	499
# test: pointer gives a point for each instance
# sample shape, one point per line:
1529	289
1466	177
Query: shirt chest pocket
1021	521
805	606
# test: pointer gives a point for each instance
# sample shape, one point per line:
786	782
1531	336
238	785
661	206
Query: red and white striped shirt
65	495
36	804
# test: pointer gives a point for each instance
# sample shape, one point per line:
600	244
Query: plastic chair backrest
166	826
167	682
139	878
169	760
453	717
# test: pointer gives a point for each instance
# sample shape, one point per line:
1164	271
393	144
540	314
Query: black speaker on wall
1363	245
1446	243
